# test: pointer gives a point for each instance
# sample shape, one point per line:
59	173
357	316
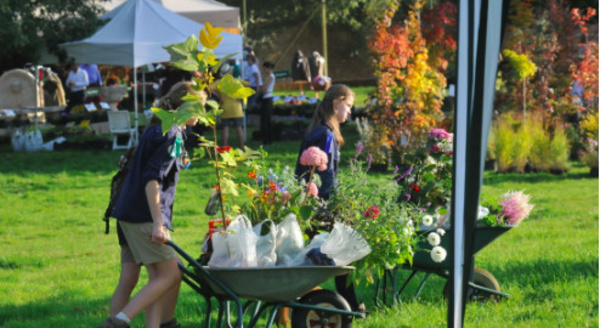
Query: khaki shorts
126	255
142	249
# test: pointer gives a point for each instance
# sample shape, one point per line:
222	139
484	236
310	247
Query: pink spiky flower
314	156
515	207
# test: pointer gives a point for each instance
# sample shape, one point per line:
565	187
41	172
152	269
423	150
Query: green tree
26	27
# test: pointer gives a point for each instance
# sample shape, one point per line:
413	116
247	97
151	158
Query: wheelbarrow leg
421	286
395	296
228	314
208	311
377	304
258	313
220	314
399	292
240	313
272	316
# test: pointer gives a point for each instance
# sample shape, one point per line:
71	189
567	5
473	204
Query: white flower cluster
438	253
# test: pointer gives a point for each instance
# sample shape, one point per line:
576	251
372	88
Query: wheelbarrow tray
484	235
273	284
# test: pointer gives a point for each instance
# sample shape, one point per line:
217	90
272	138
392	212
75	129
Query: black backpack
116	185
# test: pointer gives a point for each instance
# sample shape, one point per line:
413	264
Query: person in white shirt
254	78
267	104
77	81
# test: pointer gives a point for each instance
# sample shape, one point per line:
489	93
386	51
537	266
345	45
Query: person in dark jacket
324	132
144	212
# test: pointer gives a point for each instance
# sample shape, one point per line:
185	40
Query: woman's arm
153	196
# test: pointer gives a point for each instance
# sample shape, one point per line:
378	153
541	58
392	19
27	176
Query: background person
254	79
233	111
94	79
145	209
324	132
77	81
266	112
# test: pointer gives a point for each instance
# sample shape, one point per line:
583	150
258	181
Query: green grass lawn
59	269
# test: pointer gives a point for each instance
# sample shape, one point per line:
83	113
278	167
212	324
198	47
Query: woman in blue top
324	132
144	211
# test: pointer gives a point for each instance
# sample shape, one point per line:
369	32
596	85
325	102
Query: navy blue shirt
152	161
321	136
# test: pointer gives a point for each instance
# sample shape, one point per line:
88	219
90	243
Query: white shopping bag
236	247
344	245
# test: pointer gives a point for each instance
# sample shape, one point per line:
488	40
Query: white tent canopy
137	33
216	13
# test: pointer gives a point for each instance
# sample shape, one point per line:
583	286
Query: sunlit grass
58	269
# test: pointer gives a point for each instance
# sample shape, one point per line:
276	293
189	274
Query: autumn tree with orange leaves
411	59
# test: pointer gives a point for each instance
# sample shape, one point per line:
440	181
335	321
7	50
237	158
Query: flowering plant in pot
275	192
427	180
512	208
371	207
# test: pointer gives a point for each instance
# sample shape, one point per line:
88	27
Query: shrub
540	155
559	149
504	145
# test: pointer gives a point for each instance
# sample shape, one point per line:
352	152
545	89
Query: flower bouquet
370	206
511	210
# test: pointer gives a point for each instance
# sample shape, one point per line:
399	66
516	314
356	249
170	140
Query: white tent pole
460	137
135	105
144	88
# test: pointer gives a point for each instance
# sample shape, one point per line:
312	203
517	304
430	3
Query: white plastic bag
236	247
18	141
266	243
220	254
33	140
344	245
289	240
315	244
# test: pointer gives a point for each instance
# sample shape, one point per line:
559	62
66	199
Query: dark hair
172	100
326	113
268	64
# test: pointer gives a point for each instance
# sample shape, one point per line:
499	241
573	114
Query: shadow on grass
494	178
100	162
545	272
55	312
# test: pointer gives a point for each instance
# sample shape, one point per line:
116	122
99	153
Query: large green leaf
228	186
168	118
183	55
234	88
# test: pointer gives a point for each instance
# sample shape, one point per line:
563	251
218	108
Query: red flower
225	149
415	188
372	212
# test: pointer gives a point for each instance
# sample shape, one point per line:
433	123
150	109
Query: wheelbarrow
482	286
266	289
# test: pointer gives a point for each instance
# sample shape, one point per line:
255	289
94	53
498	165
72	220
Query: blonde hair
326	113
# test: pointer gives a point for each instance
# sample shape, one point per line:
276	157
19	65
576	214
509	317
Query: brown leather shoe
170	324
114	323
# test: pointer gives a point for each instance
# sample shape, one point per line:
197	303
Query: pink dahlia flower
314	156
440	134
312	189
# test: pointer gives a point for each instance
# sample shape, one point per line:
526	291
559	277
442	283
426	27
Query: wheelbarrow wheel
309	318
481	278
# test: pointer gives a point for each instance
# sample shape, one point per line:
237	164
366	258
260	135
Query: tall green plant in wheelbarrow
204	64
